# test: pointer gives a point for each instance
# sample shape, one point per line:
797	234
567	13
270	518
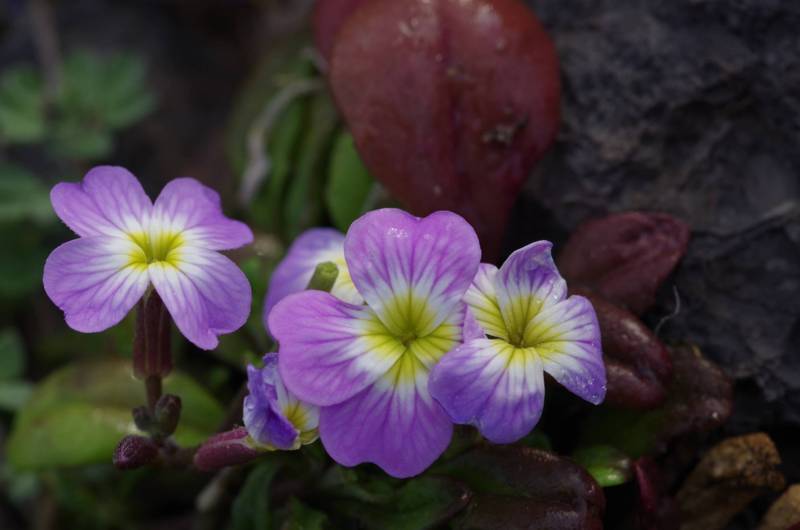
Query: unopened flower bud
167	414
133	452
142	418
229	448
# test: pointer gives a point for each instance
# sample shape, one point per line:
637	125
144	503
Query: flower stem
152	384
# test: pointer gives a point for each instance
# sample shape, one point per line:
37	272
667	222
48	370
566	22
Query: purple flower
272	414
127	242
367	366
497	382
311	248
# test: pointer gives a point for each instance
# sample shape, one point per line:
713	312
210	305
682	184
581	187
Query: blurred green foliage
98	96
77	415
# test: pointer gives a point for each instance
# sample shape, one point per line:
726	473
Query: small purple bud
133	452
228	448
142	418
152	355
167	414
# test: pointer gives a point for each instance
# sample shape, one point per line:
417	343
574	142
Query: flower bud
133	452
229	448
142	418
324	277
167	414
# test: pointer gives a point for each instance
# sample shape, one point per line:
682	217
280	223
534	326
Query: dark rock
691	108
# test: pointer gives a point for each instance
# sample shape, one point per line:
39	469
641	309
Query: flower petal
412	272
330	350
293	273
262	413
567	338
481	297
188	207
205	292
92	281
108	201
492	385
394	423
527	283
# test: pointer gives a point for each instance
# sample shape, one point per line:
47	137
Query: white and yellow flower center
155	246
516	324
411	337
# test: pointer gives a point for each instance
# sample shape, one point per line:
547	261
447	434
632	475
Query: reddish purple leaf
701	394
329	15
625	257
451	103
520	487
656	511
638	366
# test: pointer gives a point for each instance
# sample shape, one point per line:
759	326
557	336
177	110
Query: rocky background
692	108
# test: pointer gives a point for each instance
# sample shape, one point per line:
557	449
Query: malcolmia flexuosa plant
413	335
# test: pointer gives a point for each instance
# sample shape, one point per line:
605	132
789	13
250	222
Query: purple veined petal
311	248
492	385
108	201
567	338
393	423
412	272
273	415
527	283
204	291
330	350
261	411
93	281
481	297
471	329
188	207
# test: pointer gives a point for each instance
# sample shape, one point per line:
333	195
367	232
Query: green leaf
303	206
12	354
22	262
284	60
99	94
282	145
251	510
22	118
301	517
607	465
77	415
422	502
78	140
105	92
349	183
634	433
14	394
23	197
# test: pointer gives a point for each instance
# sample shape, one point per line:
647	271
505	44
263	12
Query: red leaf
329	15
451	103
638	365
625	257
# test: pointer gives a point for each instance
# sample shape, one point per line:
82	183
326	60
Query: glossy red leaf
451	103
638	365
521	487
625	257
329	15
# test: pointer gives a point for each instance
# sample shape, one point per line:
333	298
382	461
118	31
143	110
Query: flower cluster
417	335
